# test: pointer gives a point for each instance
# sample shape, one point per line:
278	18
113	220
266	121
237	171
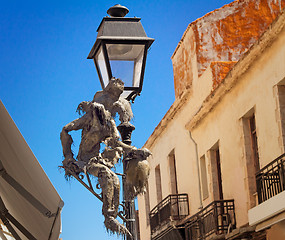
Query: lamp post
120	51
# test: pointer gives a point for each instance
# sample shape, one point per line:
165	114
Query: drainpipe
198	170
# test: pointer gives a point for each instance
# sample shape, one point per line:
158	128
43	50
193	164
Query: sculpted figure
98	126
137	171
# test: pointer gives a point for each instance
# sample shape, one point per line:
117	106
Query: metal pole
130	211
125	130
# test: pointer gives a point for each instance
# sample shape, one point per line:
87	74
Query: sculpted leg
106	182
66	142
110	185
116	198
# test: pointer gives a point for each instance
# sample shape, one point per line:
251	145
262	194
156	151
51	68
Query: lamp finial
118	11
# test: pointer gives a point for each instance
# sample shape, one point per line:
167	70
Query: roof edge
195	21
174	109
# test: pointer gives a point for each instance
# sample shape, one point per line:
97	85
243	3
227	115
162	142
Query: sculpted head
115	87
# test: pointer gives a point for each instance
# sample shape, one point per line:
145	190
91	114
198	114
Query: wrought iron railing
173	207
217	218
270	180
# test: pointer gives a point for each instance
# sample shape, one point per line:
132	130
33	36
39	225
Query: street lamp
119	54
120	51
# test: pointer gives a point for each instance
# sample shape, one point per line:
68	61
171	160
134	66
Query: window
250	139
216	172
172	173
254	147
219	174
280	113
158	184
204	180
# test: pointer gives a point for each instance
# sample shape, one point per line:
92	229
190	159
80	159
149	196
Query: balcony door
251	154
158	184
254	146
219	174
216	170
172	173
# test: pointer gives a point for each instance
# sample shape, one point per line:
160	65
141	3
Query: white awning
27	193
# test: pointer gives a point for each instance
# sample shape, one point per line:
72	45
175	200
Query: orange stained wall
220	71
222	35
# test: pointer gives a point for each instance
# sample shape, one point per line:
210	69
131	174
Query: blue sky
44	75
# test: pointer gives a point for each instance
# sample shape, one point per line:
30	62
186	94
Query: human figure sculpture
98	126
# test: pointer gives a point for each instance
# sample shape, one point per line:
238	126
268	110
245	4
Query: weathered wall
220	71
176	137
255	90
221	35
185	63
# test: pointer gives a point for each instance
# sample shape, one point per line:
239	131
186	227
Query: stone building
218	169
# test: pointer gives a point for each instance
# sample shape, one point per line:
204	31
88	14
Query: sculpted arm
124	109
66	139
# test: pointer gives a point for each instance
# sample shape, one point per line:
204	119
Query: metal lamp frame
135	90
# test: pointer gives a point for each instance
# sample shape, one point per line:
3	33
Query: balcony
270	184
270	180
216	218
172	208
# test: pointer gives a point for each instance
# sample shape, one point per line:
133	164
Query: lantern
120	51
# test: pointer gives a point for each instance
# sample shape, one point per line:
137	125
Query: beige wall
176	137
277	232
253	91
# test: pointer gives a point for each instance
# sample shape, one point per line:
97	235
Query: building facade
217	169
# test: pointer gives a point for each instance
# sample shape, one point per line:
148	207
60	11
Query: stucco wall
176	137
221	35
254	91
223	124
185	63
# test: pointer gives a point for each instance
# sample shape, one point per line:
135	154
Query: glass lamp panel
123	70
126	93
126	62
138	69
101	63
